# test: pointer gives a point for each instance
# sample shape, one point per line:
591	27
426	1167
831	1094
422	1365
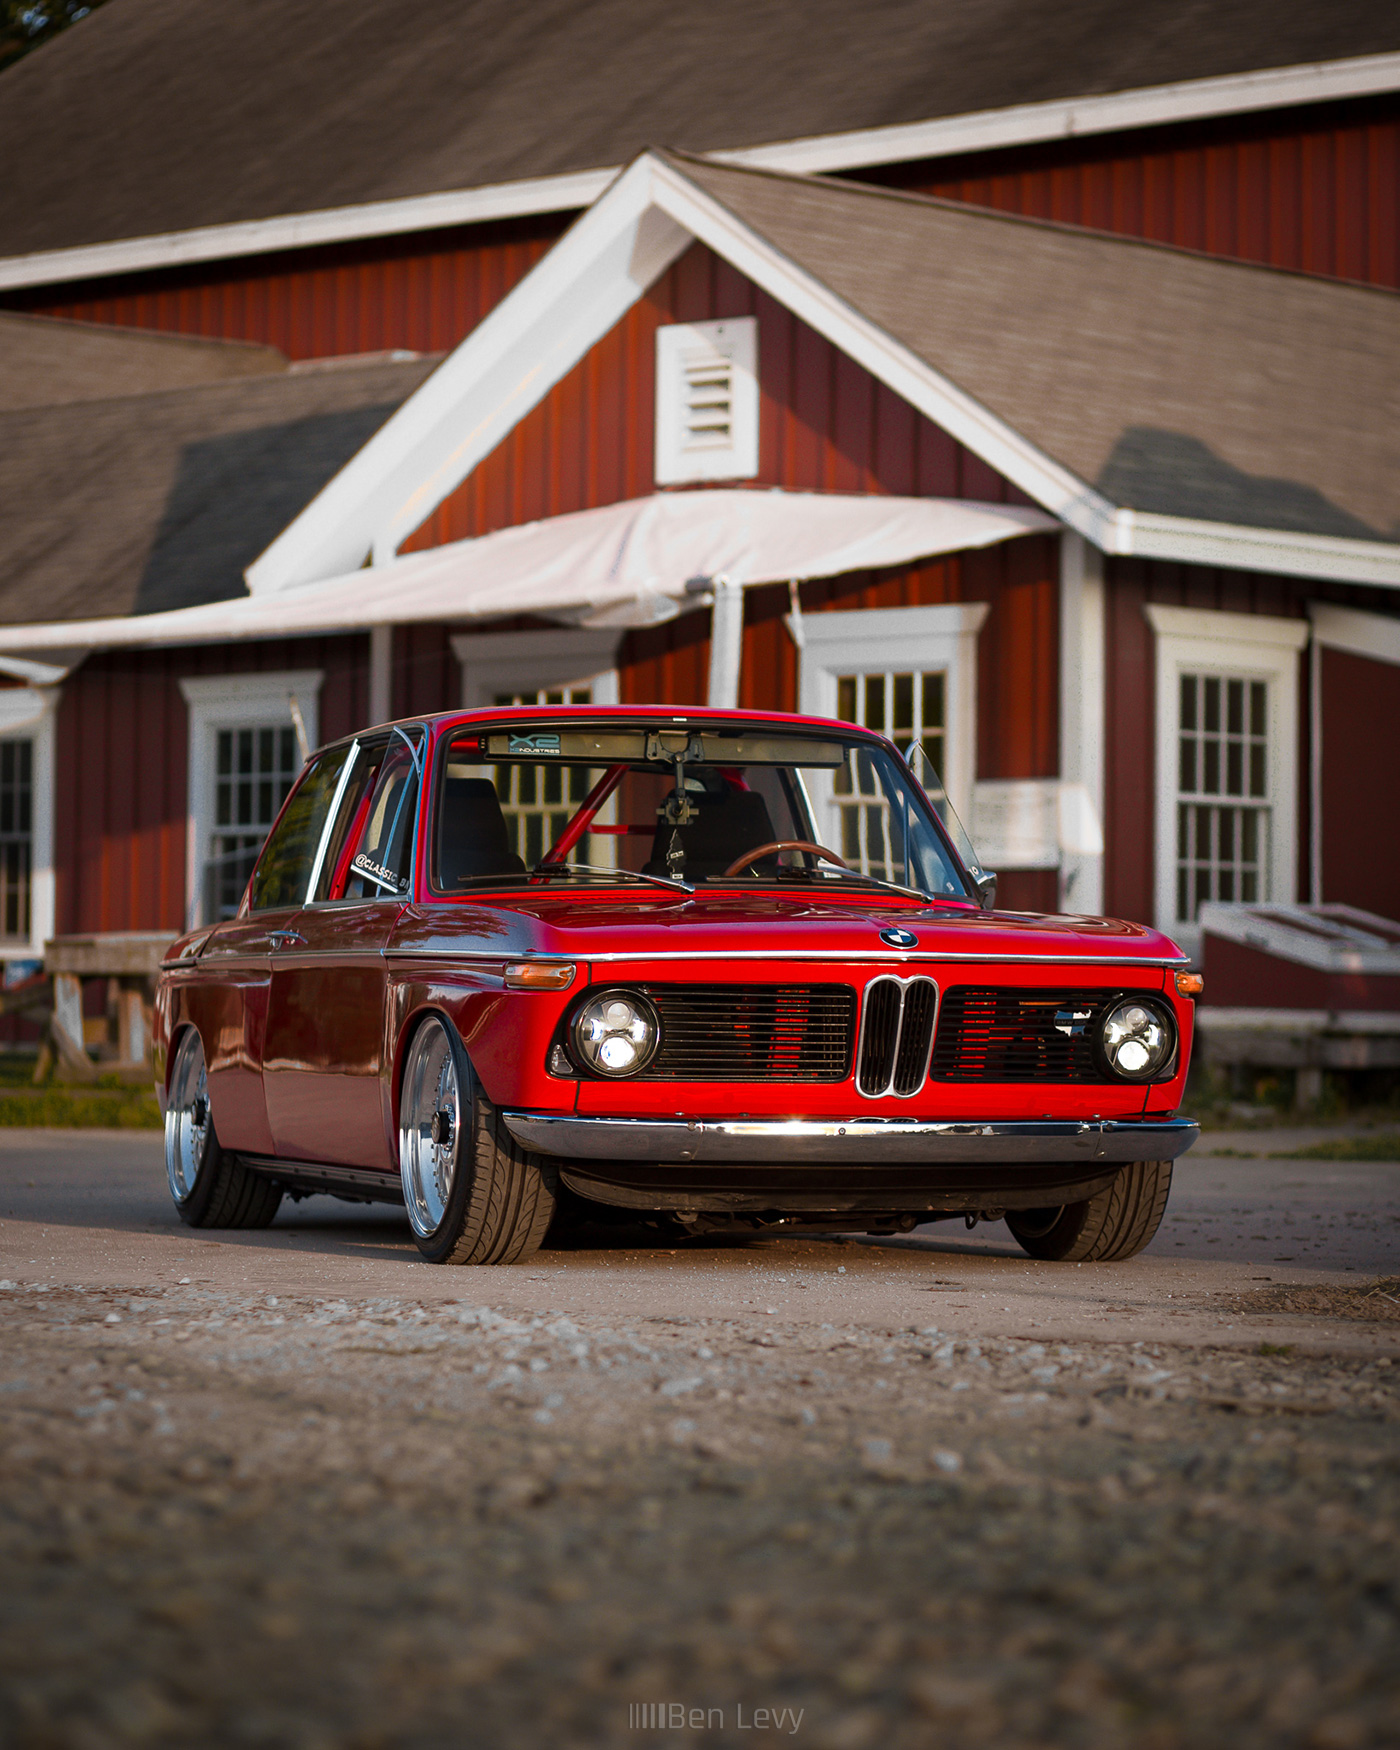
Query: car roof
438	722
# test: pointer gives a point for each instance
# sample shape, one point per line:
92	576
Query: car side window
284	865
380	864
347	829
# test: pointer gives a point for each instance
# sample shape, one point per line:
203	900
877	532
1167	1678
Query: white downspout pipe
726	641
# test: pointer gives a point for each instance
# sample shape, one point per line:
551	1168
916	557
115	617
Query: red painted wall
122	771
1316	189
1247	978
1361	782
424	292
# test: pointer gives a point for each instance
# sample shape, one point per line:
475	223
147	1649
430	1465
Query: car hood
585	926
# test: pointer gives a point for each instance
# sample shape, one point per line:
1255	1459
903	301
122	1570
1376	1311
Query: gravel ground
856	1495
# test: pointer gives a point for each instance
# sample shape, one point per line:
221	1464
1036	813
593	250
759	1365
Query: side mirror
987	889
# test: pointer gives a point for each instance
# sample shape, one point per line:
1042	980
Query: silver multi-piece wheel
473	1195
210	1188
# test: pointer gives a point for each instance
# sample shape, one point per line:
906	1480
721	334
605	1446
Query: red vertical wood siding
1316	189
1361	782
121	781
425	292
825	425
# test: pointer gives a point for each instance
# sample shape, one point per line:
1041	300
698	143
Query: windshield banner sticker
538	744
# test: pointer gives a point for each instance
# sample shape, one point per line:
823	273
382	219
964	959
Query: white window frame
1258	647
30	714
234	701
736	338
875	640
520	662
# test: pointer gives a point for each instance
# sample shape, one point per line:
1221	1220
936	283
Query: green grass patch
1381	1145
79	1109
1274	1349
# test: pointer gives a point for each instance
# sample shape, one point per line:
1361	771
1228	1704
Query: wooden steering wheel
781	845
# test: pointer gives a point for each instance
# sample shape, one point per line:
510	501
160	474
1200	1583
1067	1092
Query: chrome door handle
280	938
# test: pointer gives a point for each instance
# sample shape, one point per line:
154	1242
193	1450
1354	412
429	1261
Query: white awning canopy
626	565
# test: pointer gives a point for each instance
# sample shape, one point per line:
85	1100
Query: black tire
1115	1223
210	1187
473	1194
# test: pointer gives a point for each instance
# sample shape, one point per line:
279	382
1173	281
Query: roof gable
1159	402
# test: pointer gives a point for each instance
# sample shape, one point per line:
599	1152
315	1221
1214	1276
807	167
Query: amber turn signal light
1189	984
540	974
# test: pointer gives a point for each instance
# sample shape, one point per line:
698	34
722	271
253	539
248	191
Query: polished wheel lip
186	1118
430	1086
851	1141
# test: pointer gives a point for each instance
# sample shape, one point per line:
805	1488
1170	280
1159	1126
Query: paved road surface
295	1489
93	1210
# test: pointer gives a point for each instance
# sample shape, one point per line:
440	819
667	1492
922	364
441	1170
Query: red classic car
713	968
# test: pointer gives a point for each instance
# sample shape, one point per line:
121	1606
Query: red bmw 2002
712	968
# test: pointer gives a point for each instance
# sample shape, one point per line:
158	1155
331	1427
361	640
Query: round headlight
615	1033
1139	1040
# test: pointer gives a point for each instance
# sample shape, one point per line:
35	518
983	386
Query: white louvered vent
707	401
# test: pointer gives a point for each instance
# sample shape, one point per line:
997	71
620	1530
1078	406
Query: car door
325	1030
228	999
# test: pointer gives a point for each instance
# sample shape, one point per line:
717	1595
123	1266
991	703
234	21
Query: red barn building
1136	296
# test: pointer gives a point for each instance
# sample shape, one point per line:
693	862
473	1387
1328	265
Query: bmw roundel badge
899	938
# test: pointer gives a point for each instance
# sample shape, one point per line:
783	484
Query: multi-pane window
539	801
910	707
1223	812
16	838
254	768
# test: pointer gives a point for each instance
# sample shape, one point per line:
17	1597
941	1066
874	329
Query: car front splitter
877	1141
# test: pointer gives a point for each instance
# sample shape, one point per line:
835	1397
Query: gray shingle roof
44	362
192	114
1173	382
159	501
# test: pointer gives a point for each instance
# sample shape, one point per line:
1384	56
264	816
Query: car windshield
682	806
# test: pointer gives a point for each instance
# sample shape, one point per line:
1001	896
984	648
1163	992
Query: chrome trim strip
331	818
854	1141
843	956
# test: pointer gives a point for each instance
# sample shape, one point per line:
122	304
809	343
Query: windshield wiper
546	869
852	875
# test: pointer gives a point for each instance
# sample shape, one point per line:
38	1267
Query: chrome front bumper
854	1142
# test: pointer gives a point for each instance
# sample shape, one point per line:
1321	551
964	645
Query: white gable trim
482	390
586	284
977	131
1026	124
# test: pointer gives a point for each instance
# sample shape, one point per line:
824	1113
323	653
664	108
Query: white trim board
586	284
1376	636
1083	668
943	636
232	701
32	712
511	661
976	131
1262	646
